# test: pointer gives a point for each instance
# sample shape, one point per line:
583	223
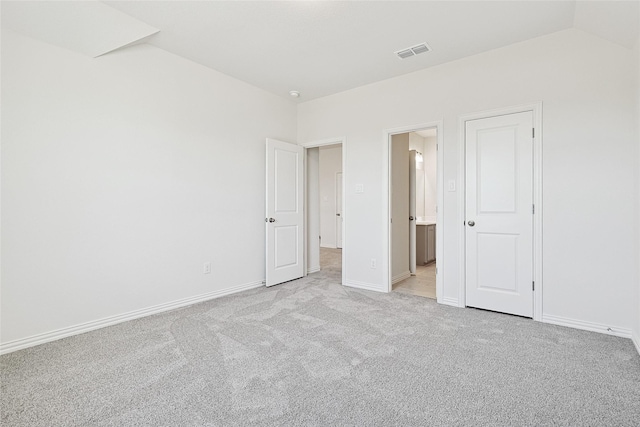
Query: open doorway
325	213
413	201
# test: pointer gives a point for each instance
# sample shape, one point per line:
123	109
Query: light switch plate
451	185
359	188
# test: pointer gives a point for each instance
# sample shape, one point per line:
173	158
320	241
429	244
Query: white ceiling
323	47
88	27
616	21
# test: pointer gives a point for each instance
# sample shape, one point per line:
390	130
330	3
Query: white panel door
284	212
412	212
499	216
339	210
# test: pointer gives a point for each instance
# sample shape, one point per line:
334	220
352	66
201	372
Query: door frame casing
321	143
335	184
386	191
536	109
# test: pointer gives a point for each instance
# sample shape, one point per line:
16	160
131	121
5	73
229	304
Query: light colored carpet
311	352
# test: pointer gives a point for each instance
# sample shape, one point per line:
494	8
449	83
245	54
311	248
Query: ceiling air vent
405	53
421	48
412	51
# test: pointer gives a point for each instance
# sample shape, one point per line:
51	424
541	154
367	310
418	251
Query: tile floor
331	264
423	284
330	258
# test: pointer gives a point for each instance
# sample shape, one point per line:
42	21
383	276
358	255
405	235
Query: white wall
399	207
416	142
313	209
589	157
121	176
330	164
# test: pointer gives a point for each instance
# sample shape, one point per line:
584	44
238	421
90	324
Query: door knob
272	220
337	214
410	218
471	223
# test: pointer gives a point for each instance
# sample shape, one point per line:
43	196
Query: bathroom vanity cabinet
425	242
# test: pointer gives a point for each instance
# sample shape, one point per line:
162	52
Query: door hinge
436	271
533	286
533	132
533	209
436	147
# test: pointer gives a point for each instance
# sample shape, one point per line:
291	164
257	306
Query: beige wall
313	209
400	206
330	164
430	168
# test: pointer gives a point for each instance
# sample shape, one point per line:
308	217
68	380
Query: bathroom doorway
413	185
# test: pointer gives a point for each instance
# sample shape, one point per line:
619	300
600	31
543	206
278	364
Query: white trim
462	164
320	143
449	301
305	221
586	326
440	215
537	217
536	109
328	246
400	277
386	214
324	142
81	328
635	338
335	189
364	285
313	270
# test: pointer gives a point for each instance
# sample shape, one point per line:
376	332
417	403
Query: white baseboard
449	301
636	340
313	269
587	326
400	277
363	285
38	339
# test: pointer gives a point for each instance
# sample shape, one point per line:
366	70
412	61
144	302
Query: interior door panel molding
537	134
284	212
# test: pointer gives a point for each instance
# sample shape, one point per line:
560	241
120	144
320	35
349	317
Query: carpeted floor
311	352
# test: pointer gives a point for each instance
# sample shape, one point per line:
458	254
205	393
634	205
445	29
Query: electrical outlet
206	269
373	263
